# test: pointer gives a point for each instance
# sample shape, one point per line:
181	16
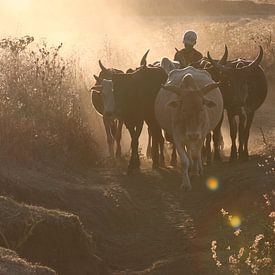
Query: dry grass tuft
53	238
10	263
243	256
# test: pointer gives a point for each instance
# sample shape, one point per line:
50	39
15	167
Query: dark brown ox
133	95
244	89
103	102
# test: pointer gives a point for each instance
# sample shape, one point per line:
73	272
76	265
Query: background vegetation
40	106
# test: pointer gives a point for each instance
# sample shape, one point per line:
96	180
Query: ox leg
218	141
233	135
196	160
161	149
200	165
156	132
135	133
242	121
173	161
110	140
149	146
118	138
250	117
185	164
207	148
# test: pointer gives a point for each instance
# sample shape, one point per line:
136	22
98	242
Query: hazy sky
55	17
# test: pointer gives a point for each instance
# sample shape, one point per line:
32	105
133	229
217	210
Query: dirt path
144	224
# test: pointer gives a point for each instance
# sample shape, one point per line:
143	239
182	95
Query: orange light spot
212	184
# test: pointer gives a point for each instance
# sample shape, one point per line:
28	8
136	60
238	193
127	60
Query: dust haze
92	30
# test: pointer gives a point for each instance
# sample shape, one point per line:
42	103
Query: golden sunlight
16	5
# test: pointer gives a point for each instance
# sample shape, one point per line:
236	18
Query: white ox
167	65
188	107
113	126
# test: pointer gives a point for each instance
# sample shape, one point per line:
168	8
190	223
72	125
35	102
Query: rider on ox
188	54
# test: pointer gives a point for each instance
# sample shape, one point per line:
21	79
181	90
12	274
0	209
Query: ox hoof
162	163
155	166
217	157
173	163
243	157
186	188
233	158
118	156
194	176
133	171
208	161
148	156
149	153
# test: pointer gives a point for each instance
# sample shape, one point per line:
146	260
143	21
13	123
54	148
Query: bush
40	103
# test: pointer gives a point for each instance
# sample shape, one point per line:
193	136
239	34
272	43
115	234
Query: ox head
105	73
235	79
114	88
105	88
190	106
143	63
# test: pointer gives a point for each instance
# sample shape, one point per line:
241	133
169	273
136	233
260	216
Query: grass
11	263
243	255
41	114
55	238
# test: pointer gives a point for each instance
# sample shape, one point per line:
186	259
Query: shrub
40	103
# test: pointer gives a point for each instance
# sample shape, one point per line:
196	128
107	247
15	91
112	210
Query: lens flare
212	184
235	221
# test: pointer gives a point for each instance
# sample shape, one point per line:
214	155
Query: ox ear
209	103
174	104
173	89
97	88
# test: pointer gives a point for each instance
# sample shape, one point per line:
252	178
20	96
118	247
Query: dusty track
144	223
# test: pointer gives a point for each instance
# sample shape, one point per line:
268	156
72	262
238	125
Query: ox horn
217	65
171	88
209	87
104	69
143	61
98	79
255	63
188	81
225	56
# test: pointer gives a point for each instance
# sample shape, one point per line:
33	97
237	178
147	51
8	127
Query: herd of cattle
187	103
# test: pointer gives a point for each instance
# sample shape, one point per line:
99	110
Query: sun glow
16	5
